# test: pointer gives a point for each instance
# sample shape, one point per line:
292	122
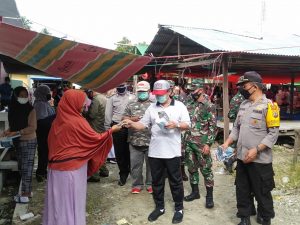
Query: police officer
114	111
198	141
234	107
139	140
256	130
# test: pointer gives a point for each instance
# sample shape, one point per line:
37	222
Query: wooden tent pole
292	96
225	96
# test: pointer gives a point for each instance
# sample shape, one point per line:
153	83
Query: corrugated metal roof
216	40
10	13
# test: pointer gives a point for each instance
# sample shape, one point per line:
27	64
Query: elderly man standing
256	130
167	118
114	111
139	140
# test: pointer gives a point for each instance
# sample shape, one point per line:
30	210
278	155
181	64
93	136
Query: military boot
245	221
194	195
209	198
184	176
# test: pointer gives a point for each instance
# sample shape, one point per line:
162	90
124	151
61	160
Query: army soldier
234	106
96	116
256	130
199	139
114	111
139	140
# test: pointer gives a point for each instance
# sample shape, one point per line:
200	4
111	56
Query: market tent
101	69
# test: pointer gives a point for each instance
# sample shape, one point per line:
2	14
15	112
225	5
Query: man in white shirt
167	118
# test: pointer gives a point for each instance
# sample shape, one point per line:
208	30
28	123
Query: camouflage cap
172	83
196	83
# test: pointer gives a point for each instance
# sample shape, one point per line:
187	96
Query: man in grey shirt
256	133
115	107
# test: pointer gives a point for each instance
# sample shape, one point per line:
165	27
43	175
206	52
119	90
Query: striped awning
89	66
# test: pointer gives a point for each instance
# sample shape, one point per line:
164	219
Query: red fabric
72	142
267	78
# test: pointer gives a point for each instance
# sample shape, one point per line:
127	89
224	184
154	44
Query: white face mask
23	100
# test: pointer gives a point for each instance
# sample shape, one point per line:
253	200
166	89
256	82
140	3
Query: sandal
21	199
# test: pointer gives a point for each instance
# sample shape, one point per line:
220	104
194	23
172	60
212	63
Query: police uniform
114	111
250	129
139	145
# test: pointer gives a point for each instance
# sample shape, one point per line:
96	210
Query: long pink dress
65	201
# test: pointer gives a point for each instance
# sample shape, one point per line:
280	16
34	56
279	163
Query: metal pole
225	96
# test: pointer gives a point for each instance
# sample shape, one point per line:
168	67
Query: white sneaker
21	199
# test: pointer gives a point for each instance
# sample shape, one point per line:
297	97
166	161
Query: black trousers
42	131
259	179
172	166
122	152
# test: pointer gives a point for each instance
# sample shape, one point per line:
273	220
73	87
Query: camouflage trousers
195	159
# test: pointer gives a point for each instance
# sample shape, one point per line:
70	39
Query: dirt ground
108	203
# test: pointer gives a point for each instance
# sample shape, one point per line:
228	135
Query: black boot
245	221
194	195
209	198
184	176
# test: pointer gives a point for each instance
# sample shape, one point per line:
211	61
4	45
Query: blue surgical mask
143	96
161	98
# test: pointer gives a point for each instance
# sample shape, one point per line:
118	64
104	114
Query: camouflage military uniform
202	132
139	145
138	138
234	106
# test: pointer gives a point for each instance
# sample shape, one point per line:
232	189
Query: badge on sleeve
273	115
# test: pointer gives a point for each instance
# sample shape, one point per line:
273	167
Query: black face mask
195	96
245	93
48	97
121	90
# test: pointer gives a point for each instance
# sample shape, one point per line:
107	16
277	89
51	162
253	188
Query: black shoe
245	221
177	218
41	178
194	195
209	198
104	173
122	181
259	219
94	179
155	214
209	202
266	222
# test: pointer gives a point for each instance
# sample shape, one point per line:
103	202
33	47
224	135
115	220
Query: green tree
45	31
125	45
26	22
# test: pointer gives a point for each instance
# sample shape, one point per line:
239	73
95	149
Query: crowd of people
167	128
